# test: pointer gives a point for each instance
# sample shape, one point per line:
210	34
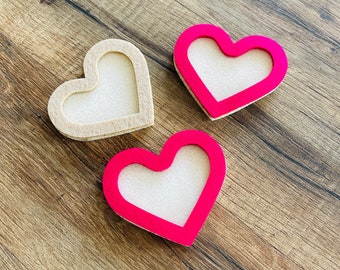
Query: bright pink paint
247	96
183	235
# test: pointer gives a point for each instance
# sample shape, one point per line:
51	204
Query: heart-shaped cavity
115	96
224	76
116	83
171	194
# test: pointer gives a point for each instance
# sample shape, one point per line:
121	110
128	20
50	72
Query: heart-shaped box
183	234
124	53
218	108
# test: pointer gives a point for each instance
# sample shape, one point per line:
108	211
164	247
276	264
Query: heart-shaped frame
183	235
217	109
99	130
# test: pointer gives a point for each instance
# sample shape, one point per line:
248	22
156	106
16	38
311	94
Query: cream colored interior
170	194
225	76
115	95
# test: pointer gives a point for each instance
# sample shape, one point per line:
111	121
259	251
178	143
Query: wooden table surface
279	204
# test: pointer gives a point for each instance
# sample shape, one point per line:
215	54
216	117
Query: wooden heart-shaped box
115	96
223	76
170	194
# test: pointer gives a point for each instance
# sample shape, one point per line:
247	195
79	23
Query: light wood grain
279	206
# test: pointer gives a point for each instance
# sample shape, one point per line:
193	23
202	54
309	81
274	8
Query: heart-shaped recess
171	194
115	96
224	76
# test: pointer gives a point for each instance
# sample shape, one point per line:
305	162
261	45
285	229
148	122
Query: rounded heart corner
128	101
131	211
195	79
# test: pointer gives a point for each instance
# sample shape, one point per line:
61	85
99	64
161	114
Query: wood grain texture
279	206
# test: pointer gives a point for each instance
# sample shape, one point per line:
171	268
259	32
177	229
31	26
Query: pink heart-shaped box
186	234
217	109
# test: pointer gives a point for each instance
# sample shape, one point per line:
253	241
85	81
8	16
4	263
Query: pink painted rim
183	235
247	96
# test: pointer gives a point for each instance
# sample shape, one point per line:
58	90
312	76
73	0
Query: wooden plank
278	208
